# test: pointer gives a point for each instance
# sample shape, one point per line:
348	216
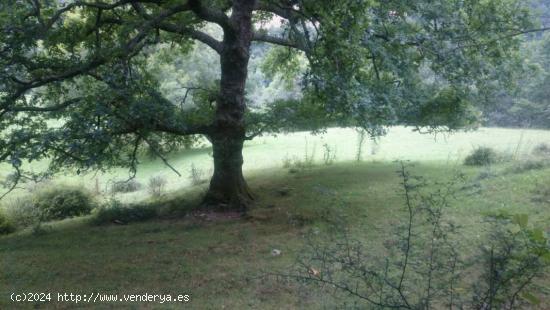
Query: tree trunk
228	189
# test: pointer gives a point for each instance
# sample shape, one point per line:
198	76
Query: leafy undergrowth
220	261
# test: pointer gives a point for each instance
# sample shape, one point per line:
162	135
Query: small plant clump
542	149
196	175
482	156
287	162
128	186
156	185
295	164
115	212
63	202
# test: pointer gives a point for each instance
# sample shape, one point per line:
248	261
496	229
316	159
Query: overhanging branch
173	28
263	37
127	49
195	34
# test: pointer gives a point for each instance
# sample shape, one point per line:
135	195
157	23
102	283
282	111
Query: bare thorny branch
427	274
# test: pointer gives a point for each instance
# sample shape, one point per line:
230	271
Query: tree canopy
81	81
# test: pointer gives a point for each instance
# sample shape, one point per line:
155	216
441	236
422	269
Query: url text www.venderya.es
94	297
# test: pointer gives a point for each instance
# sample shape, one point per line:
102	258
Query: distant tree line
528	105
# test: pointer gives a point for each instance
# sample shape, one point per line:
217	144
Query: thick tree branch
263	37
183	130
173	28
209	15
271	7
195	34
96	4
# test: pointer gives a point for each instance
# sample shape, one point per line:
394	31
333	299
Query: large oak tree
75	86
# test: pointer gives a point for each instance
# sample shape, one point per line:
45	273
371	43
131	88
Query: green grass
220	262
270	152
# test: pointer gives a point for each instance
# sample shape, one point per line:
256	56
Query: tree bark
228	189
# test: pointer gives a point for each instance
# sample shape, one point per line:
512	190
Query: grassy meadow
268	152
222	261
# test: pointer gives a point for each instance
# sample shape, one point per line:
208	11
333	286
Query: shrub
482	156
156	185
63	202
514	257
6	226
115	212
126	186
542	149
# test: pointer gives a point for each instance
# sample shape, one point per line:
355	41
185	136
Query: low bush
126	186
116	212
6	226
482	156
58	203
